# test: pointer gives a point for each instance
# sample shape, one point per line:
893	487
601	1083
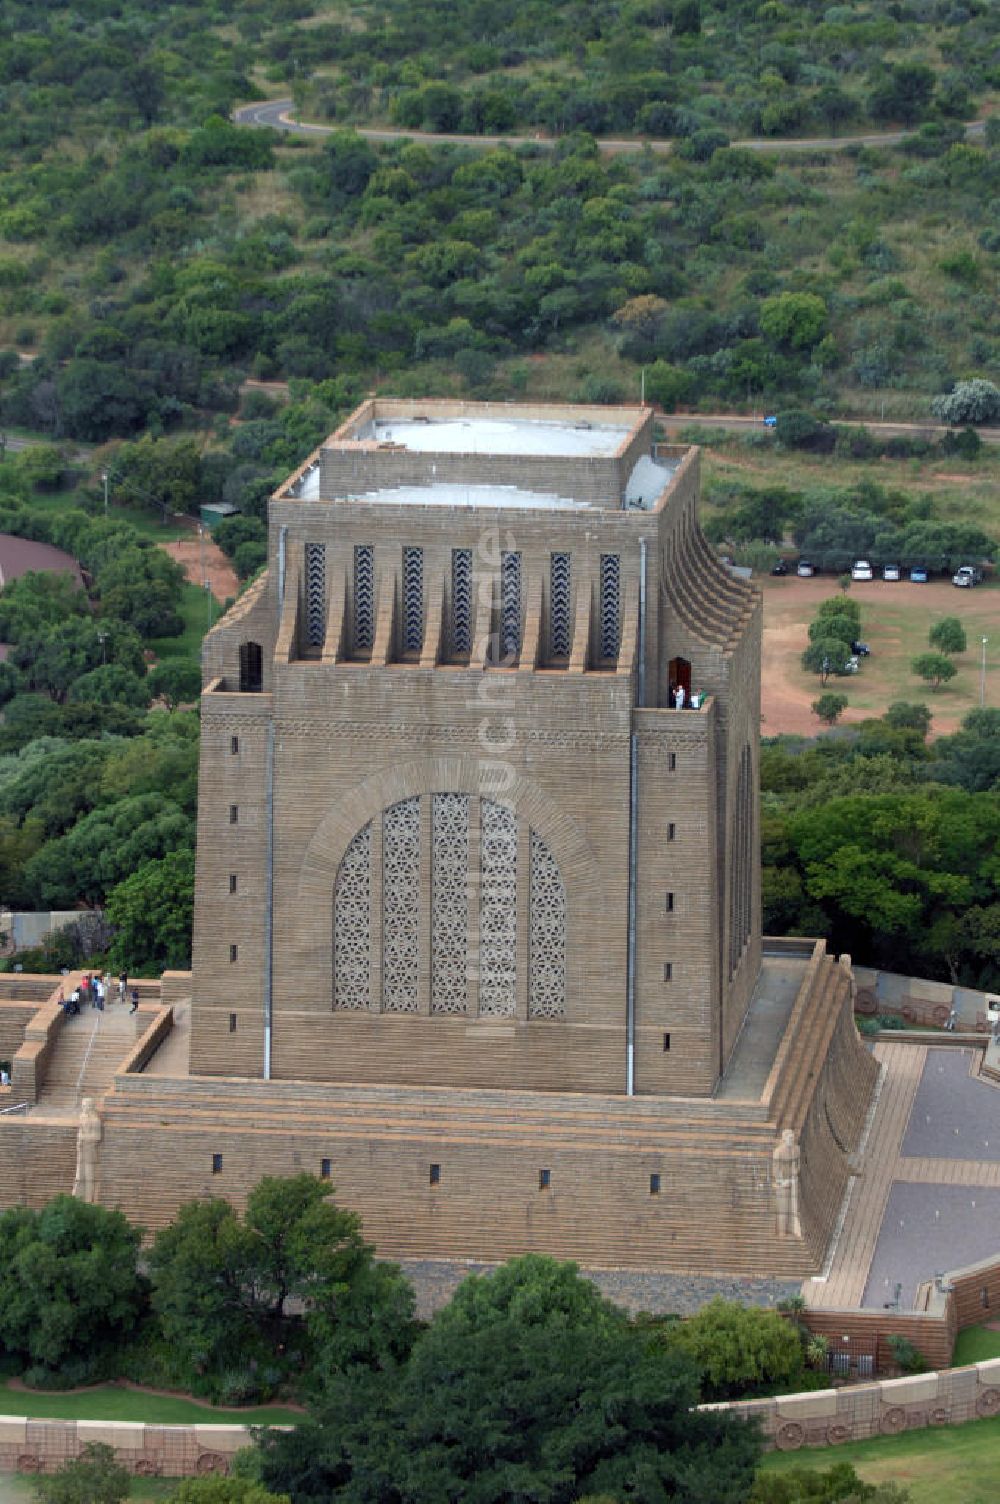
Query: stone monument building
477	912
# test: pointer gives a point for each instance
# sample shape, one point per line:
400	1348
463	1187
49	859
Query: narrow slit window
668	971
324	1169
234	745
413	600
654	1185
672	762
671	831
611	614
435	1175
315	594
669	904
233	883
461	602
544	1179
510	605
666	1044
216	1164
232	1023
234	814
560	624
234	952
364	597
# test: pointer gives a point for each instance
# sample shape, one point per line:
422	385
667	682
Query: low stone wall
42	1446
158	1023
829	1416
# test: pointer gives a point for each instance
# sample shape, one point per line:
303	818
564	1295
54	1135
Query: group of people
678	697
96	990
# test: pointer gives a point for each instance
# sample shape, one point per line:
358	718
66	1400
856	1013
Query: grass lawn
977	1344
940	1465
16	1489
146	523
109	1402
193	607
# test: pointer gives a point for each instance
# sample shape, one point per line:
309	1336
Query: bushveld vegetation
527	1371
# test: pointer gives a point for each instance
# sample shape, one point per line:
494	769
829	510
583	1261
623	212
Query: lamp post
104	478
982	674
102	638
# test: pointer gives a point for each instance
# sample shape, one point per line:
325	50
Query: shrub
974	401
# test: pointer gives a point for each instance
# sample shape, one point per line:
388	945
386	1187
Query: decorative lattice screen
547	935
401	906
449	903
497	911
413	599
611	614
364	597
461	602
315	594
352	924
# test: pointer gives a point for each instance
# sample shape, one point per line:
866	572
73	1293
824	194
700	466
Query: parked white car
862	570
890	572
967	576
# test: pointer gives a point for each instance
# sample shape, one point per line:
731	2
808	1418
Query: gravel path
661	1294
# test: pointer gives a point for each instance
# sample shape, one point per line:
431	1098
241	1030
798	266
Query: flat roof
458	495
483	435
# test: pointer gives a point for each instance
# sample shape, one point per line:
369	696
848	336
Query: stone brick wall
829	1417
43	1446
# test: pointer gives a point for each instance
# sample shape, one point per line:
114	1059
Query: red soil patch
203	560
789	606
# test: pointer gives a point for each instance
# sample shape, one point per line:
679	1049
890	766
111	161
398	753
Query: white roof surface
497	436
499	497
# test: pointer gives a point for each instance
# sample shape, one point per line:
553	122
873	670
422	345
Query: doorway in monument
678	677
251	668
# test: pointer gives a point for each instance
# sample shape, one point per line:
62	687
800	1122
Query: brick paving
928	1197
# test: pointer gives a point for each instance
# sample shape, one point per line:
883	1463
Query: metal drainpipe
633	838
269	860
269	900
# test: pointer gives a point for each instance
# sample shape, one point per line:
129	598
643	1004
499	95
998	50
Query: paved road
738	423
277	113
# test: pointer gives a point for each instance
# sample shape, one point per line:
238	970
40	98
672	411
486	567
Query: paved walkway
928	1196
844	1285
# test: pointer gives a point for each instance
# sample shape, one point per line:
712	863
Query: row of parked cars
965	577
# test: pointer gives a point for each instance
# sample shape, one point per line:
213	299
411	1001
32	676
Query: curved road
277	114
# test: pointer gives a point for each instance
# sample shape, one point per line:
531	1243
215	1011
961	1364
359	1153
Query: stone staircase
87	1053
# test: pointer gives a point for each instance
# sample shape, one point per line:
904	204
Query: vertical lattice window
364	597
547	935
413	600
449	902
497	911
560	625
461	602
352	924
611	611
400	906
510	605
315	594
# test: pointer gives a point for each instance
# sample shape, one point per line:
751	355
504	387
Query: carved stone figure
785	1178
88	1141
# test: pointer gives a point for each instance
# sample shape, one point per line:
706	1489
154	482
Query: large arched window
446	899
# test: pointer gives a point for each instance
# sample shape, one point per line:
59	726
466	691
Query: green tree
92	1478
829	708
223	1491
975	401
534	1379
112	684
948	636
902	92
224	1288
70	1292
934	667
176	680
151	913
826	655
903	716
739	1349
795	319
